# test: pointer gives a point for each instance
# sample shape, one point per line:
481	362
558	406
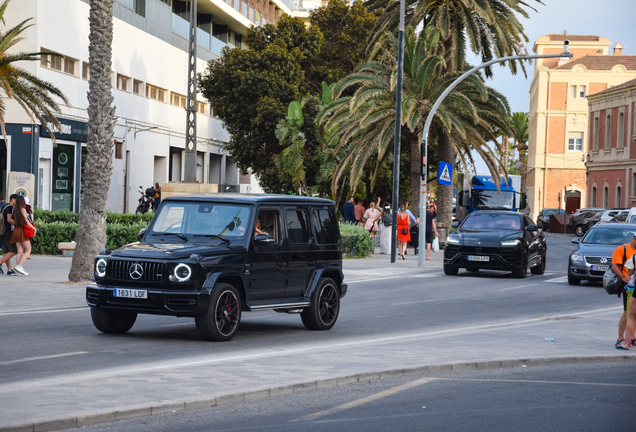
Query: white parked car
612	213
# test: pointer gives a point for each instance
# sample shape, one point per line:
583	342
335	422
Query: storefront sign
71	130
21	183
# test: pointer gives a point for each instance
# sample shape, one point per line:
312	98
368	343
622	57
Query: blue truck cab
482	195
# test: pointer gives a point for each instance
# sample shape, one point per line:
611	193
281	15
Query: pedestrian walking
21	224
403	233
620	256
372	215
629	337
385	233
430	230
157	195
9	249
349	212
358	210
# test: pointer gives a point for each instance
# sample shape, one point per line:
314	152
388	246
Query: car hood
485	238
601	250
176	250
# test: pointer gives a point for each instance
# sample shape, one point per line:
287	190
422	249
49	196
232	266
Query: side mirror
576	240
455	224
141	234
531	228
264	240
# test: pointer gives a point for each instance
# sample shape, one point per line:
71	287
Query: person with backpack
385	233
6	230
628	294
619	257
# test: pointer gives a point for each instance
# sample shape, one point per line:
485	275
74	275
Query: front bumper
159	302
500	258
584	271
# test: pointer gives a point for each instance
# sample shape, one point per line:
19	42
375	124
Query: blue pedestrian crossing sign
445	173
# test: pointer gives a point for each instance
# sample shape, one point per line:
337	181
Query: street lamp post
429	119
190	165
398	130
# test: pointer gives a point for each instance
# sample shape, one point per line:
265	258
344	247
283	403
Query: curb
186	404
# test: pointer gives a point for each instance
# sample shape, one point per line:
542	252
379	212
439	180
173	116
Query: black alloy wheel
325	306
221	320
520	272
450	270
539	269
114	322
579	231
573	280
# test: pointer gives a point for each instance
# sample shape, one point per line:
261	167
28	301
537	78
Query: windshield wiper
216	236
174	234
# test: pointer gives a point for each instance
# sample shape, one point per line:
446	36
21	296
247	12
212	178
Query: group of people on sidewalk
379	218
623	264
16	229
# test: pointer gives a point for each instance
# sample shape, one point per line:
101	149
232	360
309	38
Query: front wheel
222	317
539	269
579	231
520	272
450	270
573	280
325	306
112	321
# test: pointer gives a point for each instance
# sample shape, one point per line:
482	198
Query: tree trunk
505	156
445	153
416	169
91	234
522	170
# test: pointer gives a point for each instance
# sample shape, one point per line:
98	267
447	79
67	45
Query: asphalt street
37	344
547	398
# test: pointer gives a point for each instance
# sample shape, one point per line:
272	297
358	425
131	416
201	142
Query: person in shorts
620	257
628	294
8	249
430	230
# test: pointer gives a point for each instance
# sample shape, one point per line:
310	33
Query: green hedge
355	241
48	216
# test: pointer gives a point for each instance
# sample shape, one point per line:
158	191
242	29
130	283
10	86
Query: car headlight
576	257
452	240
514	242
181	273
100	267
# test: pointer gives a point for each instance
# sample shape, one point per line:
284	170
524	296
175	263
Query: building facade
559	138
612	158
149	87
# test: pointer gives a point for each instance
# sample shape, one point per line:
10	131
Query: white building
149	87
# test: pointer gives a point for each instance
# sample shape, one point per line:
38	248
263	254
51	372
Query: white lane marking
517	287
426	275
275	352
562	279
42	358
26	312
362	401
538	382
372	279
417	301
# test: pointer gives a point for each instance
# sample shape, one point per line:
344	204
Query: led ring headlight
182	272
100	267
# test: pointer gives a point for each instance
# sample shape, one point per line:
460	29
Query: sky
613	19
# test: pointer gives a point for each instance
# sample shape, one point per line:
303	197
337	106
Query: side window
324	227
297	226
267	223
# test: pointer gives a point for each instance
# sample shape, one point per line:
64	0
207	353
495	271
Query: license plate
130	293
599	267
478	258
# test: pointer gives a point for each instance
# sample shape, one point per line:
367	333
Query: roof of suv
250	198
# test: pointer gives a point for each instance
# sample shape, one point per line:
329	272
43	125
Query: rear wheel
450	270
573	280
115	322
325	306
222	317
579	231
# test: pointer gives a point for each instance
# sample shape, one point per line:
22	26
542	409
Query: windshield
492	221
549	212
600	235
202	219
492	200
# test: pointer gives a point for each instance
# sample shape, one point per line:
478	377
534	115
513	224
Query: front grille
508	254
151	271
597	260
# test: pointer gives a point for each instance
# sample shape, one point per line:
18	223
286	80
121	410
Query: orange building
558	144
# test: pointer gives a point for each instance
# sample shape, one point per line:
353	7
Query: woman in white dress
385	233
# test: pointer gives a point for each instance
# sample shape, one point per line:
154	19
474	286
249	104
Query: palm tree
366	121
34	95
91	234
519	124
489	27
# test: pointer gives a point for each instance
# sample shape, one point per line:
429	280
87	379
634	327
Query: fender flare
315	277
213	278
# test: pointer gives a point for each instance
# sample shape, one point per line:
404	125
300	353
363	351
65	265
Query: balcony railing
305	5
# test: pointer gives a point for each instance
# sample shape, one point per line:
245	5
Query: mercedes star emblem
136	270
603	260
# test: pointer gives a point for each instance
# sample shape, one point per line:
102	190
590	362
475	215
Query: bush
355	241
119	235
48	216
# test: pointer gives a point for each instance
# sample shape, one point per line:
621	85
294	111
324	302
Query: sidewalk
155	388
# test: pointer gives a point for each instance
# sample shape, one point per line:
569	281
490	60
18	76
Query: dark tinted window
491	221
324	227
297	226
